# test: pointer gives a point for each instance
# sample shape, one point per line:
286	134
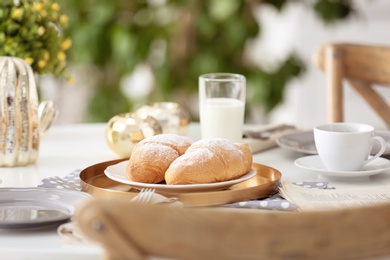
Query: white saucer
117	172
314	163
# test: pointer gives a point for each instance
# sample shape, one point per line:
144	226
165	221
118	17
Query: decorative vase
19	120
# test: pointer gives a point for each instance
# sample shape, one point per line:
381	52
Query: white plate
117	172
303	142
314	163
26	208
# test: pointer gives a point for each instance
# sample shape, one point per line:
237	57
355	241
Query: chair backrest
128	230
363	66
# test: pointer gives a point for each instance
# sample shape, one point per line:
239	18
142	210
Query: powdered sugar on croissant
208	161
152	156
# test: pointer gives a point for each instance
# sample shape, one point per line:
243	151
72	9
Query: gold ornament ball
125	130
171	116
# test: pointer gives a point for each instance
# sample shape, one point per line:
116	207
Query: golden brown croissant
152	156
208	161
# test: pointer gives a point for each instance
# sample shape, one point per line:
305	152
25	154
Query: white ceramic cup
222	105
346	146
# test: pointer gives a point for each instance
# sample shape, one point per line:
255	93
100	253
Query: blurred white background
298	29
293	29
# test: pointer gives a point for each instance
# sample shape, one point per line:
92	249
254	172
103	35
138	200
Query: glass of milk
222	105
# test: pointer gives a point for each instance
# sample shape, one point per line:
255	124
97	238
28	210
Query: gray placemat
274	202
71	181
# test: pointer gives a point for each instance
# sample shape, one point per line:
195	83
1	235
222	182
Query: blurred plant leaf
331	11
278	4
179	40
101	107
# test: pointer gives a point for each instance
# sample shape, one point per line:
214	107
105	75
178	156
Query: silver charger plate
303	142
27	208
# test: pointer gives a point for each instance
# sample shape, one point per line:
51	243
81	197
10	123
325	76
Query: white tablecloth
69	147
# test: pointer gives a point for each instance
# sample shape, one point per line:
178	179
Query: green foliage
179	40
331	11
31	30
102	99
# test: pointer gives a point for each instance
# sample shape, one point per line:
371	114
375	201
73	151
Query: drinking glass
222	105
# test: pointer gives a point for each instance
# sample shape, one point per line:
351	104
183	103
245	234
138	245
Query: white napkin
259	145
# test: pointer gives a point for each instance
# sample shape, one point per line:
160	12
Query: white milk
222	117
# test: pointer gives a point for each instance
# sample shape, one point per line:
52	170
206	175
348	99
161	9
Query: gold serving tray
265	183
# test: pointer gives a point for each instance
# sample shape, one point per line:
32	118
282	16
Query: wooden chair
128	230
363	66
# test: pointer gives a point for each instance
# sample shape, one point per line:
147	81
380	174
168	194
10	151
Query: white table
69	147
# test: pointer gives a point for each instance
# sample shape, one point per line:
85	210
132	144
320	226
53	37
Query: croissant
152	156
208	161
